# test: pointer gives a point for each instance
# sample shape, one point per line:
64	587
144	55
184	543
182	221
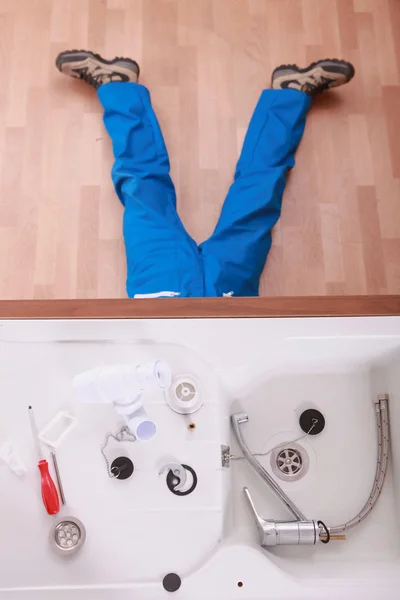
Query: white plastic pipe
123	386
141	425
106	384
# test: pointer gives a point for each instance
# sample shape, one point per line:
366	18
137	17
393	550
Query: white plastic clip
178	470
57	429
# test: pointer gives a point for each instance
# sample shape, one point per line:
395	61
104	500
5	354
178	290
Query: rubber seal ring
328	535
171	482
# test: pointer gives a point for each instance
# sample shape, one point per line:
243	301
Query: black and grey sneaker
316	78
94	69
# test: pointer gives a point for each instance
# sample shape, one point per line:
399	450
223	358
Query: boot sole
330	65
71	56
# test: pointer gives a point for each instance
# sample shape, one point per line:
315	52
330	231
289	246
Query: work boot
316	78
94	69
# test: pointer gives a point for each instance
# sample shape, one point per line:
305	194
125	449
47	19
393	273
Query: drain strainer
185	395
289	463
185	391
67	535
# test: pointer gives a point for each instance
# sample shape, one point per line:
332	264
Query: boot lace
316	86
97	79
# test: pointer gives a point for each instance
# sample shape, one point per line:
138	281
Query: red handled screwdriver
49	491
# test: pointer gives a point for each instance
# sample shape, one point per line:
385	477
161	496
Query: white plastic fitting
10	457
57	429
123	386
137	419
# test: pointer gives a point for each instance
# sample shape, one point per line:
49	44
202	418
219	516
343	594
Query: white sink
137	530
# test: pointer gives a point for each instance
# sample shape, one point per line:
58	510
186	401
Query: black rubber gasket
312	421
171	483
328	533
122	468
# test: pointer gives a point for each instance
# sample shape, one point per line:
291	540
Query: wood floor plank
88	241
372	243
347	24
391	103
391	253
385	45
331	243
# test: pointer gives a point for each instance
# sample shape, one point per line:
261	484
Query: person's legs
235	254
161	256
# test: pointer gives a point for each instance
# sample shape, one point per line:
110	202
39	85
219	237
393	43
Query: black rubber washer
328	533
171	481
172	582
122	467
312	417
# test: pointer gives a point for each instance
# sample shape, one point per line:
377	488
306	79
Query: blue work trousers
162	259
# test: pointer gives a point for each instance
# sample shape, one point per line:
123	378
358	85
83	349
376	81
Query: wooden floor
205	62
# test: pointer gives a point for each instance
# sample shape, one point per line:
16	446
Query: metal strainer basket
67	536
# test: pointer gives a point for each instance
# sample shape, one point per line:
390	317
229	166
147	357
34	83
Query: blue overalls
162	259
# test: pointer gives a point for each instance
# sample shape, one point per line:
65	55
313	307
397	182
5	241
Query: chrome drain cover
67	535
289	463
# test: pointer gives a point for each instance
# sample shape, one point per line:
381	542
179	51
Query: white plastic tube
123	385
153	375
137	419
120	383
142	427
106	384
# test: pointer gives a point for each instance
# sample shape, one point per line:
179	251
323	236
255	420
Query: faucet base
283	533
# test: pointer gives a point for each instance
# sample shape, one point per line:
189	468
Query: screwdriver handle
50	497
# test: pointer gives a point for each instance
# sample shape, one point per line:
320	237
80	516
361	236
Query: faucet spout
237	419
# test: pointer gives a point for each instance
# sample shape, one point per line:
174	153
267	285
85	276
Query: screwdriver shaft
35	433
58	476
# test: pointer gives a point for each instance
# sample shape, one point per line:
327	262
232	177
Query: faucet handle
259	520
266	529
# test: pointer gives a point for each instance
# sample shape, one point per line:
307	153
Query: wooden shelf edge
203	308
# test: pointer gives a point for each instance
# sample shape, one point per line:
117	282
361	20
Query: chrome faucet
236	420
303	531
275	533
283	533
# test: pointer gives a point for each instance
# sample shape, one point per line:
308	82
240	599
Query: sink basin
137	530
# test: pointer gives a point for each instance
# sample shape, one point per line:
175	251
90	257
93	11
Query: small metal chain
123	435
281	445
